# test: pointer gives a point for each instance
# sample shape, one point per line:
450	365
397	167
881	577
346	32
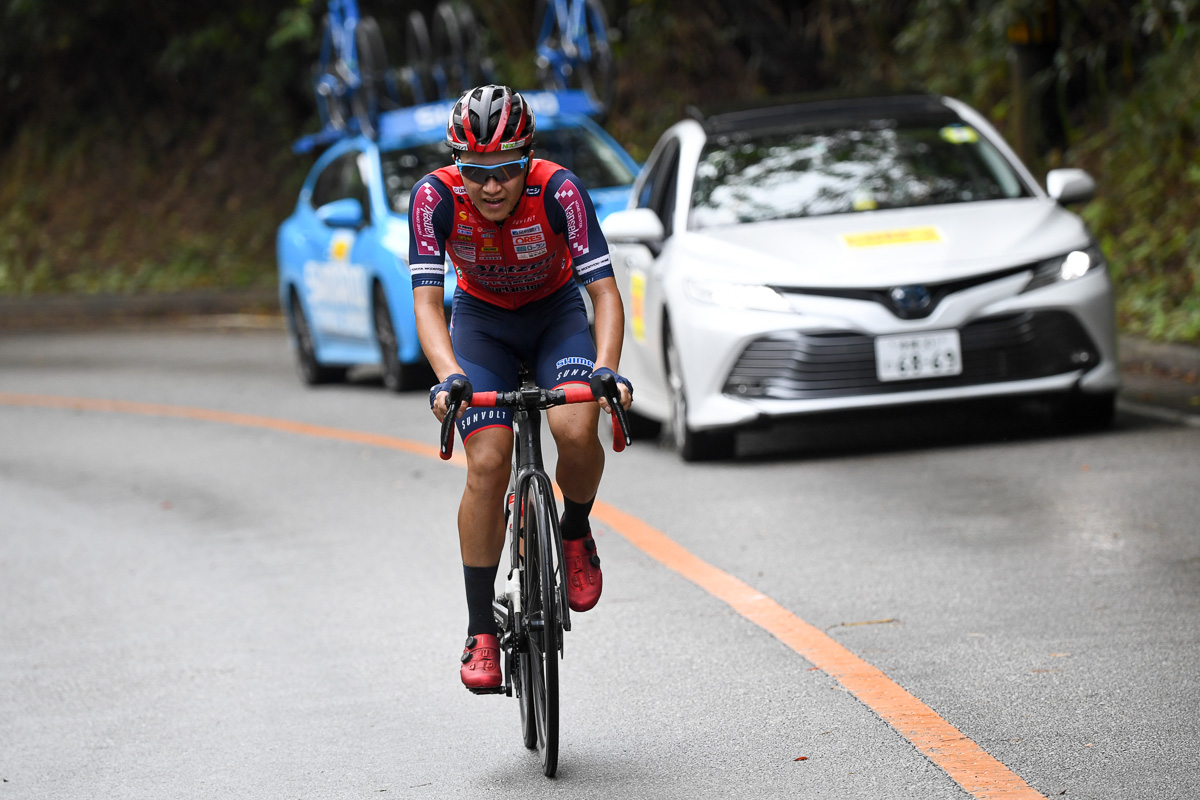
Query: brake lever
620	420
460	392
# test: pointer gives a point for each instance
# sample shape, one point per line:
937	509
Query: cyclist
517	230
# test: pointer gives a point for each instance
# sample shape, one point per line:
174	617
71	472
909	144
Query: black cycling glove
596	373
444	386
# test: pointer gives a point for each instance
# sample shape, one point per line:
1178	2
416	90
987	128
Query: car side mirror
1070	186
344	213
637	225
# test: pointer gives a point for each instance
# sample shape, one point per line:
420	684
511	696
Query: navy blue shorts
550	335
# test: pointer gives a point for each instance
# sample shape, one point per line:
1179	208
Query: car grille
795	366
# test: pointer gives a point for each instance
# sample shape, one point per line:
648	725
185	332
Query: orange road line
224	417
967	764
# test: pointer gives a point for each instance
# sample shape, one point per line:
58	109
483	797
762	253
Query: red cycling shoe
481	663
584	579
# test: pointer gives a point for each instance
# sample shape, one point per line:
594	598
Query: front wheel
691	445
543	626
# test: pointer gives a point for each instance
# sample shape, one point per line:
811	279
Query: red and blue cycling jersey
552	231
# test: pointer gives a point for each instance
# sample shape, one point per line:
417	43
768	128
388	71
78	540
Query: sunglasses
477	173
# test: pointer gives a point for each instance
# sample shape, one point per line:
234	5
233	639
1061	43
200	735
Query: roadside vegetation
146	148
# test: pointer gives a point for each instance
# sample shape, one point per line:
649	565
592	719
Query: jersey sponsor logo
458	190
476	418
593	265
533	191
571	200
527	230
464	251
422	221
541	251
535	239
529	248
465	230
462	215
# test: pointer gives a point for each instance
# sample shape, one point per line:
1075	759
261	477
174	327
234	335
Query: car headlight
749	297
1074	264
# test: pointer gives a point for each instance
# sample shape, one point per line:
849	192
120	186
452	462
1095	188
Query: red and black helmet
488	119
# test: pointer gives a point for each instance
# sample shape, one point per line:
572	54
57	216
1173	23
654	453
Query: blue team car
344	284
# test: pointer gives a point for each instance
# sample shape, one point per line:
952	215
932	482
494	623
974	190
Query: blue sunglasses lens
503	173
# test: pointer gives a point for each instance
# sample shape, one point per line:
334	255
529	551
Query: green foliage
190	192
1147	159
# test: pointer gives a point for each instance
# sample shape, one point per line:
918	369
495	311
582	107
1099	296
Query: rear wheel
691	445
539	662
311	371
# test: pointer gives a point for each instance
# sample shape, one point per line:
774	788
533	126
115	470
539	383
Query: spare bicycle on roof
354	82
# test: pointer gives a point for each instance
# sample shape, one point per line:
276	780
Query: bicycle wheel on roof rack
479	70
418	55
328	87
597	77
448	49
367	101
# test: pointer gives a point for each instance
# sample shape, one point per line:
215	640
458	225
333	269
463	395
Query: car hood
880	248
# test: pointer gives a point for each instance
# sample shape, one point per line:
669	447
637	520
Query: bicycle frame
339	52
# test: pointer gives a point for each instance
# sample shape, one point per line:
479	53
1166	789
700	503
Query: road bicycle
350	76
573	49
352	80
532	613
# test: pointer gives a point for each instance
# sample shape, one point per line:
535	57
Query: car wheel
1086	412
311	371
397	376
690	444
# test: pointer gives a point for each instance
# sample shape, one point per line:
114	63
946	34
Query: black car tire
312	372
691	445
397	376
1086	412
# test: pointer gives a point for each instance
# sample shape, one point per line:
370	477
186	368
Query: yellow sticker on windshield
637	303
897	236
959	134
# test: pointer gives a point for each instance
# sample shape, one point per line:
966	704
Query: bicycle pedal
496	690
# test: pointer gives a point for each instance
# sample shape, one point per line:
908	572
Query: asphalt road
213	603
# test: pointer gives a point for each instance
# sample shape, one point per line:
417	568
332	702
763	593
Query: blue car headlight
1067	267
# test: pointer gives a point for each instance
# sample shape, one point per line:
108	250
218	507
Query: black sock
480	592
574	523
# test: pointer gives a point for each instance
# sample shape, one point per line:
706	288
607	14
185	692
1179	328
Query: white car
854	254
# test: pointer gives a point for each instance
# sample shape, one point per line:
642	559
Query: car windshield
808	173
577	149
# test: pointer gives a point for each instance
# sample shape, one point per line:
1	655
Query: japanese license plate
906	356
